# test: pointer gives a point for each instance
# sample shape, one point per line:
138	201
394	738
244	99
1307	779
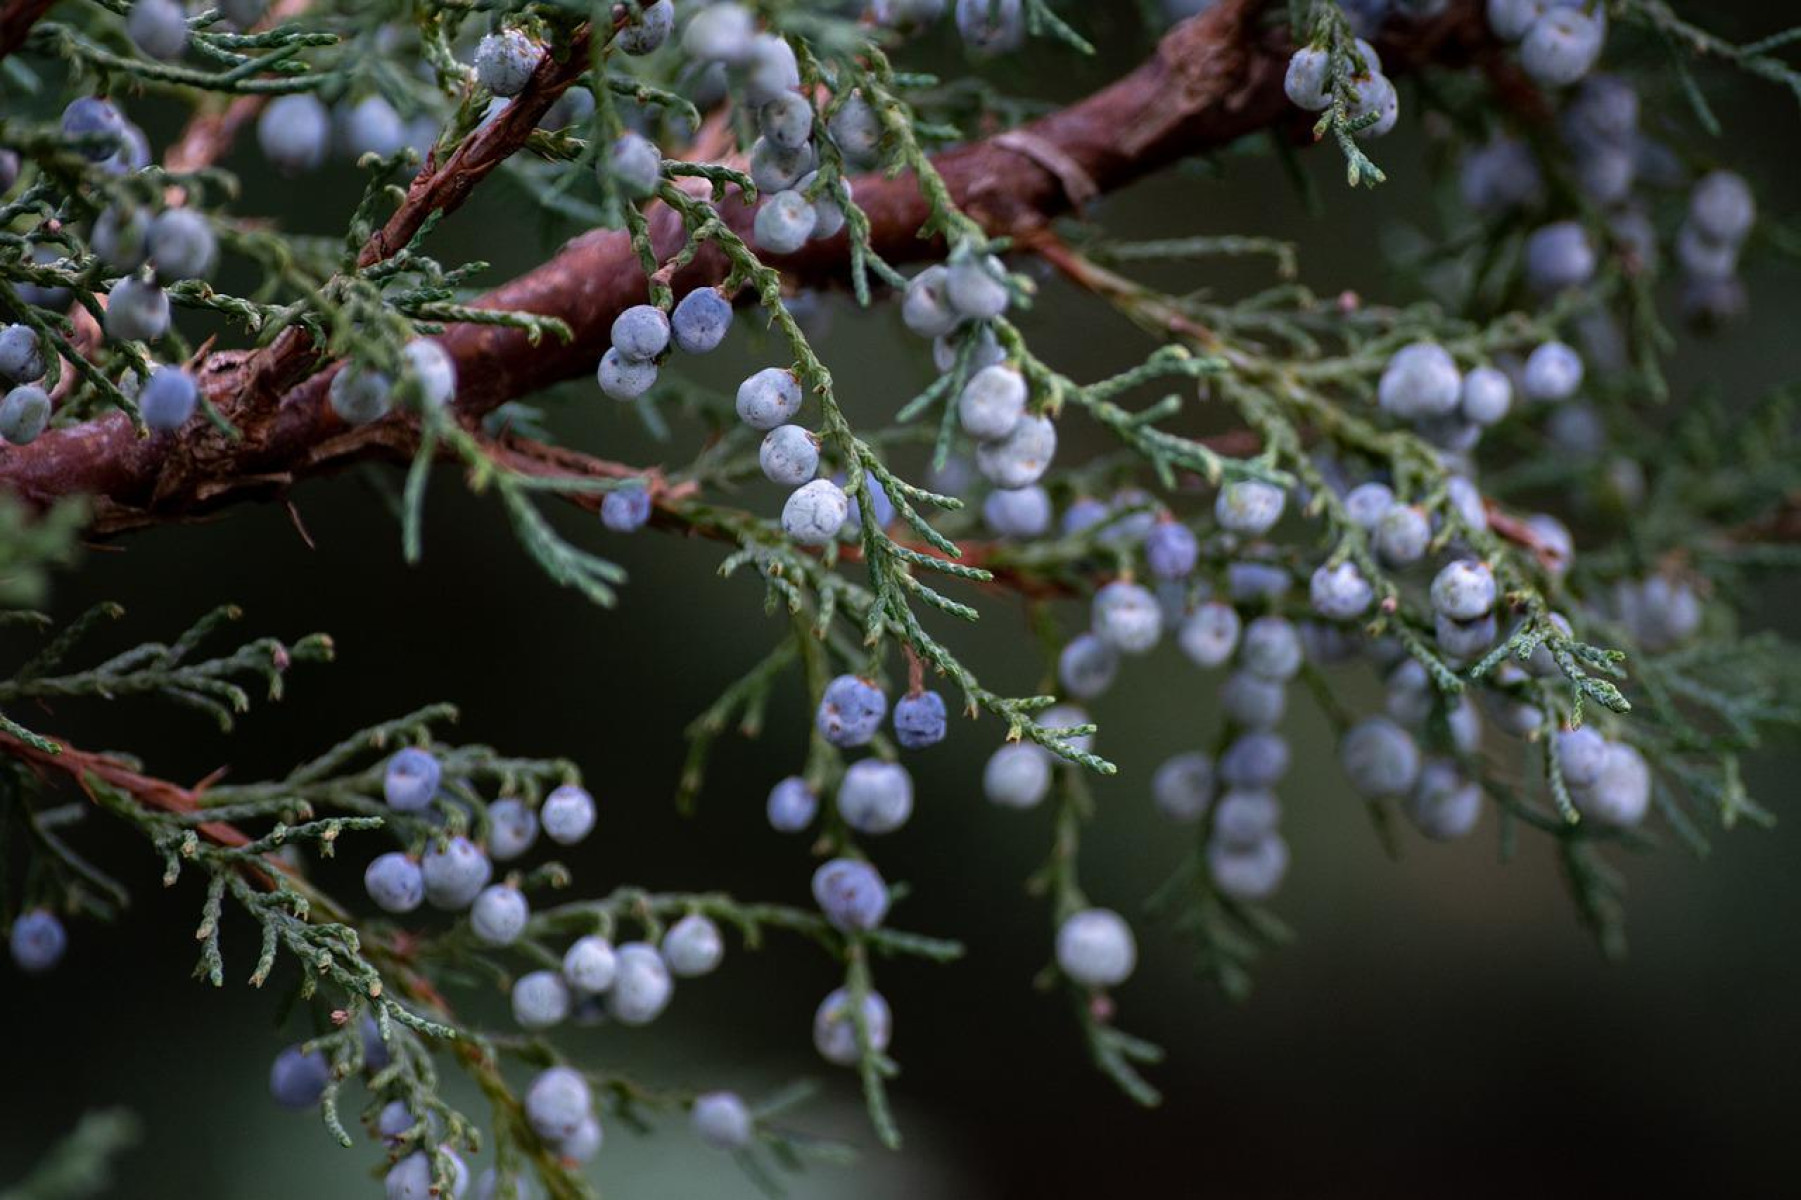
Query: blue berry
499	914
1559	256
574	108
1487	395
21	354
1510	19
1246	815
769	398
635	165
1095	947
850	711
976	287
1379	758
992	402
411	780
567	815
1421	380
181	245
1580	753
815	512
986	352
784	222
158	27
167	399
455	873
641	332
649	30
297	1080
1307	81
1620	794
395	882
375	1050
693	946
557	1102
590	965
1464	590
1127	617
721	1120
875	796
1444	805
37	941
924	306
701	320
360	394
395	1121
624	378
433	370
1271	648
881	507
24	414
789	455
1248	872
1562	46
626	509
1553	372
1341	593
413	1177
505	60
991	26
792	805
770	70
370	126
1249	507
641	985
776	168
1087	666
1171	550
1018	775
1254	760
582	1145
1464	641
1721	207
1182	787
97	121
856	130
295	133
787	120
1403	535
1210	634
1499	177
919	720
835	1027
1017	512
720	33
1376	95
851	893
540	1000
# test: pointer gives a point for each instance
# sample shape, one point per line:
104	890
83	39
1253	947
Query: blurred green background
1441	1026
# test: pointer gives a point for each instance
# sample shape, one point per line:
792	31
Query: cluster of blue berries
1375	105
644	334
1560	40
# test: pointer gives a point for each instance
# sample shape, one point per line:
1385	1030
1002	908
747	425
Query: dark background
1442	1026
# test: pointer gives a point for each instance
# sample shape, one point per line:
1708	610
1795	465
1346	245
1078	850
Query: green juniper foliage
1395	491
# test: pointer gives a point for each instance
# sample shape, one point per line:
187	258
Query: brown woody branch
1213	79
16	19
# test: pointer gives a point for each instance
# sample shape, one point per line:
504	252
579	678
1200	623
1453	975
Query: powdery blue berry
626	509
1502	176
777	168
787	120
992	403
1210	634
769	398
1403	535
875	796
158	27
1249	507
1087	666
360	394
505	60
1444	805
769	71
1421	380
835	1027
991	26
1553	372
693	946
1721	207
590	964
1621	792
1245	816
720	33
1095	947
1017	512
701	320
1127	617
976	287
784	222
634	165
1257	759
167	399
1307	80
856	130
432	370
1464	590
1464	641
906	14
371	126
641	332
1580	753
395	882
557	1102
567	814
97	122
395	1121
1248	873
1171	550
649	30
850	711
297	1080
294	133
582	1145
21	354
792	805
512	829
490	1184
1379	757
540	1000
37	941
24	414
181	245
1376	96
815	512
925	308
641	985
851	893
789	455
413	1177
1487	395
624	378
919	720
499	914
455	873
984	353
1021	458
1562	46
1182	787
1559	256
411	779
721	1120
1341	593
1018	775
1271	648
